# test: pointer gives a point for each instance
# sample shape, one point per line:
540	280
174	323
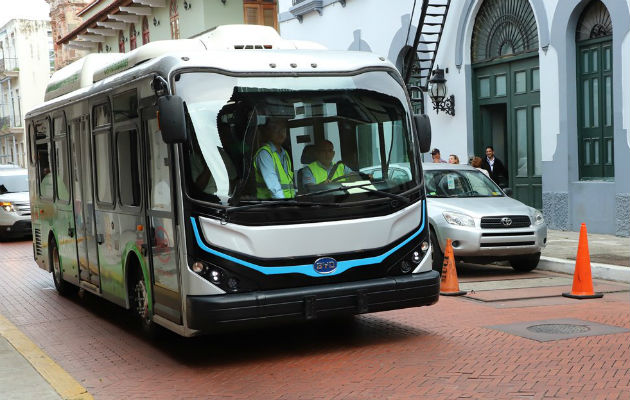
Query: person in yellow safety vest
322	169
274	172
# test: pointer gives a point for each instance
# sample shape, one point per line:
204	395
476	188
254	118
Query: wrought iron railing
8	64
5	123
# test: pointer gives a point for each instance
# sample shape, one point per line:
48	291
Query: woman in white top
476	162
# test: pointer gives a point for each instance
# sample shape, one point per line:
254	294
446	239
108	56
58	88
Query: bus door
83	199
161	232
63	224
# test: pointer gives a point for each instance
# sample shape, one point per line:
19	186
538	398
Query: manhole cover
559	329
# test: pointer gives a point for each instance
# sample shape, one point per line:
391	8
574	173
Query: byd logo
325	265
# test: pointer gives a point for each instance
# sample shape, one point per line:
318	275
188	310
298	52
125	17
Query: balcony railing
5	123
301	7
8	65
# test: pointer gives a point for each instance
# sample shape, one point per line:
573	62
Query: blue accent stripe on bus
308	269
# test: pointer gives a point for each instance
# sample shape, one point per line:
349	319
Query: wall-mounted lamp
187	5
223	1
156	22
437	93
108	48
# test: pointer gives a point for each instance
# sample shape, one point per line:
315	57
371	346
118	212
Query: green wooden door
506	106
595	109
526	167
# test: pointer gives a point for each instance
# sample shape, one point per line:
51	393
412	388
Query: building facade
119	26
546	83
25	66
63	20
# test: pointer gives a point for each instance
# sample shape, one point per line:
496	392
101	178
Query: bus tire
139	301
64	288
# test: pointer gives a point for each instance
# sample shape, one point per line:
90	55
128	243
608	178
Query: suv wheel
525	263
438	256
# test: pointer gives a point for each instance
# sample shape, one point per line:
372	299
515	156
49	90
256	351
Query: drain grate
558	329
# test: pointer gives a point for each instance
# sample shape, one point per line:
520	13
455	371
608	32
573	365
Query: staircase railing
421	59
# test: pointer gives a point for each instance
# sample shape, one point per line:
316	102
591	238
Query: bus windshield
325	139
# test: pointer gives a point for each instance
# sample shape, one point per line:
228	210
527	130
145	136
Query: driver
274	173
322	169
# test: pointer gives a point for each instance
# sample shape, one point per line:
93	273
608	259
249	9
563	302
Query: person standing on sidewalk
436	157
497	171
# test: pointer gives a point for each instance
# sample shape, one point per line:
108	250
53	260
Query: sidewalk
610	255
26	372
18	378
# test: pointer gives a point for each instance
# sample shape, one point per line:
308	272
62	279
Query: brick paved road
441	352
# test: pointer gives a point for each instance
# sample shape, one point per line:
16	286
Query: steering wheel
355	175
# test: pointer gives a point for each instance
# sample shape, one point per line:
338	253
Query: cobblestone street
455	349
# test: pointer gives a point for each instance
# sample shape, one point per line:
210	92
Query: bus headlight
197	267
215	276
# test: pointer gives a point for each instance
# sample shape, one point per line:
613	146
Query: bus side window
103	168
159	169
61	169
60	150
44	175
31	145
102	150
128	168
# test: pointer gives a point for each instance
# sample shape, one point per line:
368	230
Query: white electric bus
143	183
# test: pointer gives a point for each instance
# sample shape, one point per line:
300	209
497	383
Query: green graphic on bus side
115	67
71	79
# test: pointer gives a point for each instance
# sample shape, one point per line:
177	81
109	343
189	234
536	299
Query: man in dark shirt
495	168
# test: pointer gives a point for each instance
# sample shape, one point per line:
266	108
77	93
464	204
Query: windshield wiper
364	186
265	203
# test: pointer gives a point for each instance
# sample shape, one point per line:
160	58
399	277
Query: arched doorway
595	93
506	93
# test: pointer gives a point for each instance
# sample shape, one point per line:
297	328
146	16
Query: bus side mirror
423	131
172	119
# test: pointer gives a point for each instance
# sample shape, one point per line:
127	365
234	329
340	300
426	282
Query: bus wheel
62	286
139	306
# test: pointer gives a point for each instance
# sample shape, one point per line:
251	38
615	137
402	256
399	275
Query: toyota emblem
506	221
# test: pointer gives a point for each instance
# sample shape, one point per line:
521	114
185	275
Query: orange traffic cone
582	280
449	285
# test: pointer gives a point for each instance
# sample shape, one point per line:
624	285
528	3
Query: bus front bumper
207	313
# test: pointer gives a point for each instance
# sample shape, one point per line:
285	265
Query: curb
60	380
598	271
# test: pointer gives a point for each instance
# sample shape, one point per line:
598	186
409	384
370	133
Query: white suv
15	209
